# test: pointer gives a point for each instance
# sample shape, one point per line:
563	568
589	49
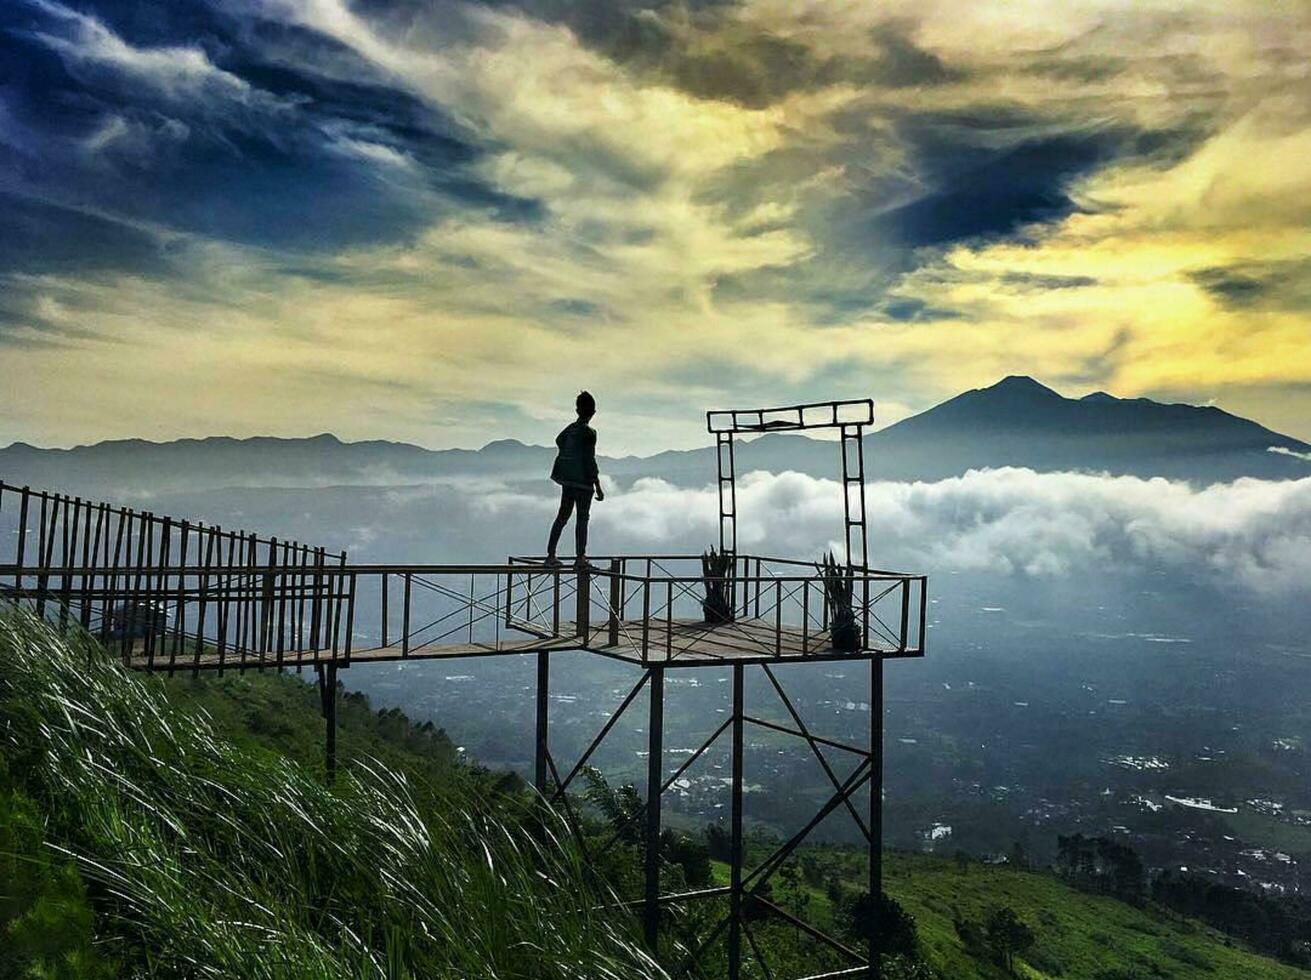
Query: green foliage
685	860
281	712
190	834
1280	927
208	858
1006	935
1000	936
892	926
1099	864
690	854
716	572
47	928
839	583
1077	934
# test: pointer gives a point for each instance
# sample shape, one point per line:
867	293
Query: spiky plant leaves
214	860
716	575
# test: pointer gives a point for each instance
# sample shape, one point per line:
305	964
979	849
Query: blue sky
436	221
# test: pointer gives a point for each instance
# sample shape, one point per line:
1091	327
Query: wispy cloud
1285	451
439	204
179	72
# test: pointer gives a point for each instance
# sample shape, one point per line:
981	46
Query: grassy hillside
281	713
1078	935
170	849
174	826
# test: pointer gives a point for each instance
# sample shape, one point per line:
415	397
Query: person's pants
571	497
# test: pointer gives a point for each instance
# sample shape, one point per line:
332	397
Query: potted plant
839	582
716	572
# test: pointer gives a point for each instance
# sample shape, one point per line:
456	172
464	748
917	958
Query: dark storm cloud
703	49
1284	285
202	118
173	115
53	239
912	310
970	176
988	173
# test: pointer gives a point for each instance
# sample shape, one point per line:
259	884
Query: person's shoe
583	565
552	561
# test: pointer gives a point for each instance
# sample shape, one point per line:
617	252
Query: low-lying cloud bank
1253	533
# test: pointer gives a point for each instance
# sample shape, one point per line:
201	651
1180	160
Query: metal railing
654	606
168	594
153	586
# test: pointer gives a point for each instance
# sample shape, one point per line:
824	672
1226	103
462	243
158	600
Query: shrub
47	928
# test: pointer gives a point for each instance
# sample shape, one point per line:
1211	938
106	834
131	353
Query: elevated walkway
176	617
176	595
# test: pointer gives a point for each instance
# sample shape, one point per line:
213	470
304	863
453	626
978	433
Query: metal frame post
543	705
583	616
727	483
654	777
22	536
735	887
853	518
875	807
328	679
616	603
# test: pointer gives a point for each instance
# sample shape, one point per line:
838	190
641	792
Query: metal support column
853	517
875	809
735	886
852	445
328	679
583	615
654	780
543	704
727	484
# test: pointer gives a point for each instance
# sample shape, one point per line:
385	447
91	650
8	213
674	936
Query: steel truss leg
735	894
654	778
746	890
556	789
875	807
543	705
328	694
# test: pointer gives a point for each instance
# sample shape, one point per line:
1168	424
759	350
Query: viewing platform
644	610
169	595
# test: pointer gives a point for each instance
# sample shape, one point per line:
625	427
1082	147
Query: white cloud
1255	534
178	71
372	152
1285	451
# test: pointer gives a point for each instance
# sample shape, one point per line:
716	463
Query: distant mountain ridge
1019	422
1015	422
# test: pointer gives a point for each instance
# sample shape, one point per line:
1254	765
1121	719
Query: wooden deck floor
680	643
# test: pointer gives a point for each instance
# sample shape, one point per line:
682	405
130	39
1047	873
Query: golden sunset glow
435	224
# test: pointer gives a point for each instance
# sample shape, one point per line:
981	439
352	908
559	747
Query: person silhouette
575	471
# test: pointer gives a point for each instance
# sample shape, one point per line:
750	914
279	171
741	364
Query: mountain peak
503	445
1021	383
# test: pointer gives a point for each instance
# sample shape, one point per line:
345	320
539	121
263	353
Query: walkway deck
680	643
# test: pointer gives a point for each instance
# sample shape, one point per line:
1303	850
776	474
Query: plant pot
715	610
846	637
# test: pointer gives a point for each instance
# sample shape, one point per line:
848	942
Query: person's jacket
575	463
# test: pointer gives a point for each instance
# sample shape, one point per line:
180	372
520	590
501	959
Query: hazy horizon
545	432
